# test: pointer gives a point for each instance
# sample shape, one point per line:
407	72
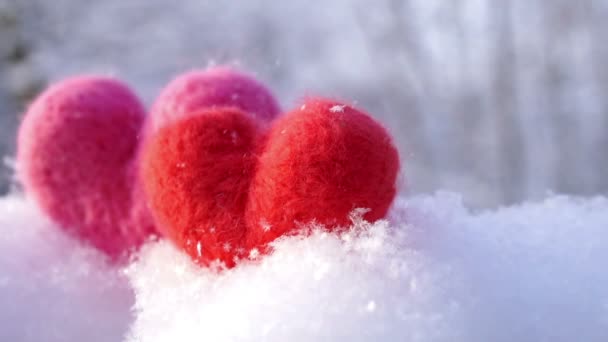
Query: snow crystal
337	109
435	271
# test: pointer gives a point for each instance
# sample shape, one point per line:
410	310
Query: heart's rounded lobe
216	87
75	151
196	174
319	163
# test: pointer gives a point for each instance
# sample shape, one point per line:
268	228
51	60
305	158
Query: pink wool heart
80	141
76	154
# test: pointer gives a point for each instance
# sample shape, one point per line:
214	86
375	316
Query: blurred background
501	101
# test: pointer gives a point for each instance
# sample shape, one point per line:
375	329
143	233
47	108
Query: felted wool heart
214	87
76	152
222	184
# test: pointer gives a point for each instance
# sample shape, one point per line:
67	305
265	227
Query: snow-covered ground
435	271
52	288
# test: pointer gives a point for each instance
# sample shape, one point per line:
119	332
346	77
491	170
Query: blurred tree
503	92
19	82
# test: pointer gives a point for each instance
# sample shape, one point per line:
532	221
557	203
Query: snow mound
435	271
52	289
534	272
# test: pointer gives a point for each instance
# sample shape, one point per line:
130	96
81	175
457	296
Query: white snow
434	272
337	109
52	289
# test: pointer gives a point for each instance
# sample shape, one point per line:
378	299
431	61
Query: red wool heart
222	185
76	150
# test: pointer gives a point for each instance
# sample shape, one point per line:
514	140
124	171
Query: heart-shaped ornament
79	145
223	185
